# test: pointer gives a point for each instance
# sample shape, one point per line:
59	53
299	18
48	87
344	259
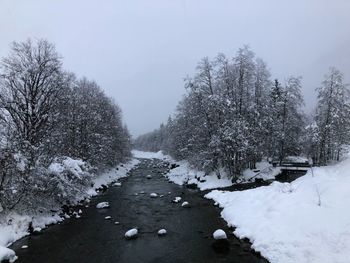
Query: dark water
94	239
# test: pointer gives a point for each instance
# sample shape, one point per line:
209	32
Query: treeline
233	114
48	115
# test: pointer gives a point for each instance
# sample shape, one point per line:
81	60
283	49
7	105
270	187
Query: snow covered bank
149	155
185	174
14	226
307	220
112	175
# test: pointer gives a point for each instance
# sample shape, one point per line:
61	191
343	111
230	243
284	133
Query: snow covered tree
46	116
332	117
31	86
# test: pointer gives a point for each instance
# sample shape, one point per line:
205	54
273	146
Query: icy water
92	238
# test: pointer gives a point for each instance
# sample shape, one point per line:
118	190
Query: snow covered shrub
44	189
12	178
71	178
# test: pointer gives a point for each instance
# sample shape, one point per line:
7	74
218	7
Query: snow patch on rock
219	234
102	205
132	233
162	232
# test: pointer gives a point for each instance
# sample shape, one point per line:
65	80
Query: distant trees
233	114
47	114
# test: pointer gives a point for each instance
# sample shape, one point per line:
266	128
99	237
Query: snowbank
148	155
307	220
184	173
7	254
14	226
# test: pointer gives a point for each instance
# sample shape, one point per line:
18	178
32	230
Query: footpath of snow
14	226
307	220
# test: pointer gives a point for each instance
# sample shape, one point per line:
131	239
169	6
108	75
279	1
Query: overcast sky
140	51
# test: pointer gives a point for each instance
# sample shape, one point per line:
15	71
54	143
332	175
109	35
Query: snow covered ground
307	220
14	226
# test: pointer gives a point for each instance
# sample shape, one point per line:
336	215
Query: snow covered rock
108	217
116	223
185	204
176	199
117	184
37	230
153	195
149	176
7	254
102	205
132	233
162	232
24	247
219	234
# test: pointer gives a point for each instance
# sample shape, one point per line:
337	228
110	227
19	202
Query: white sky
139	51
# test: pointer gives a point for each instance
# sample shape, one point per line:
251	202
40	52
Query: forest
234	114
51	118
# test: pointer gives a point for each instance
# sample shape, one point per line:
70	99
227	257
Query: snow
177	199
102	205
73	165
116	223
132	233
24	246
153	195
296	159
264	170
184	173
219	234
307	220
7	254
185	204
162	232
37	229
108	217
148	155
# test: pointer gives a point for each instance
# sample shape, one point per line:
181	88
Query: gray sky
139	51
